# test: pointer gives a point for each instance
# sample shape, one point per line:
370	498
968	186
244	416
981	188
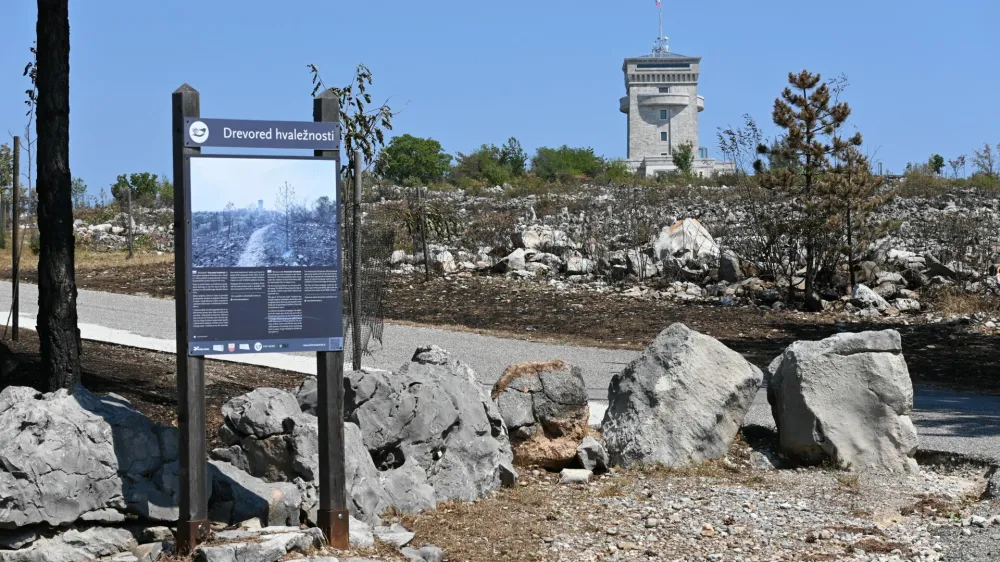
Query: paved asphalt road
946	421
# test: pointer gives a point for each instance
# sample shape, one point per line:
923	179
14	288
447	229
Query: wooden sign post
193	475
257	301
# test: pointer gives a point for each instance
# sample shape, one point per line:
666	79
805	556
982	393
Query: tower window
664	89
663	136
663	114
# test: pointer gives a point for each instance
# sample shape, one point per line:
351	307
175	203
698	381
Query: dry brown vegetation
148	379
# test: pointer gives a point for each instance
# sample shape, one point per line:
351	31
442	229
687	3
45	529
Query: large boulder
847	400
544	405
269	437
147	456
260	413
515	261
576	264
63	426
681	402
434	413
686	239
57	460
444	263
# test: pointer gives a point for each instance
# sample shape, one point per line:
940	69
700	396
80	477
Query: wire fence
377	238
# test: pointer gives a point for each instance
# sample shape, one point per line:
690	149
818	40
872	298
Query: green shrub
616	171
684	158
471	186
142	243
412	159
33	243
492	164
495	174
918	182
983	182
144	187
565	162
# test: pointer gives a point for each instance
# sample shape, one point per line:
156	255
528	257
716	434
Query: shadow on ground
941	356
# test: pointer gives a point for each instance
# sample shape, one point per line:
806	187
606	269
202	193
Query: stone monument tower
662	104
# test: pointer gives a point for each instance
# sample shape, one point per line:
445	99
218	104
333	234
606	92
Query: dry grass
612	490
850	482
89	259
933	506
960	303
505	527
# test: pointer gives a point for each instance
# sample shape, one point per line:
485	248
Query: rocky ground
736	508
729	510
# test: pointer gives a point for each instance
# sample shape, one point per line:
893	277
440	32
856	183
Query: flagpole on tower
659	6
660	47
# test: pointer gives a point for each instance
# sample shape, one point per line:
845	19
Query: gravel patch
724	511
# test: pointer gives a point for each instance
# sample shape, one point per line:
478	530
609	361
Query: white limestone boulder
686	239
680	403
434	413
847	400
57	460
544	238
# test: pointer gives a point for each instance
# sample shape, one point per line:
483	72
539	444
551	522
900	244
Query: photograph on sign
262	213
264	257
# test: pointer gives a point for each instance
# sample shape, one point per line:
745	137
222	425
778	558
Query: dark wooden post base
190	533
335	524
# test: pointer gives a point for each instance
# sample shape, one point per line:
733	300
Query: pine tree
856	193
811	117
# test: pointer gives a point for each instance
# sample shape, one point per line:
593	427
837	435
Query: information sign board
264	272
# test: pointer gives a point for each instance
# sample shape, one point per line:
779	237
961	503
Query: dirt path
255	253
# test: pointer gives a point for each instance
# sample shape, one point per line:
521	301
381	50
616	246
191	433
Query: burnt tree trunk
58	333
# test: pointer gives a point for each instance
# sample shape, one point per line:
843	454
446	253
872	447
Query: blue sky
923	75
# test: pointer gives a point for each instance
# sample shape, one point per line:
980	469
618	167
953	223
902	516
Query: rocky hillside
678	243
700	244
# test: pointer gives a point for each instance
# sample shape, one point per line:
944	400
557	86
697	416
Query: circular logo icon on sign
198	131
257	346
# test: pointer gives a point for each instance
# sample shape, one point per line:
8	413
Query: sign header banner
261	134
